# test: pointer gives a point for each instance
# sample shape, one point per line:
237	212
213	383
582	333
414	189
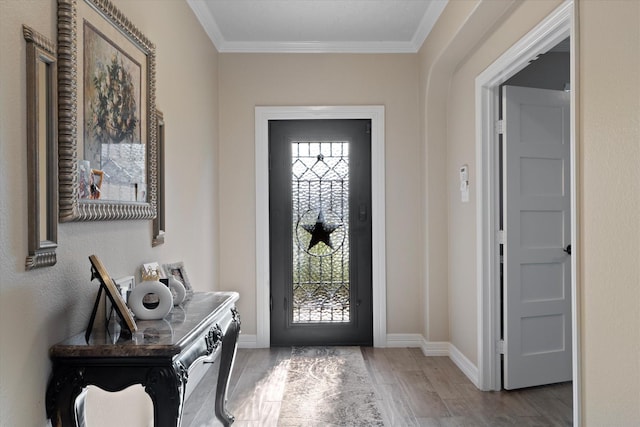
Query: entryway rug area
328	386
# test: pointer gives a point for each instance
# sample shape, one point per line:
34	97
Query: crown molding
208	22
429	19
316	47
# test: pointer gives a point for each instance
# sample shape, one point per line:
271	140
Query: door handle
568	249
362	212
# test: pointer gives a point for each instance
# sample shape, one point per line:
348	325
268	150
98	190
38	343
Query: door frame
560	24
379	286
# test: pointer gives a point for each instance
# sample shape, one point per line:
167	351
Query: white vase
177	290
165	300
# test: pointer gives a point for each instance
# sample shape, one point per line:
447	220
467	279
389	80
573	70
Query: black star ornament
320	231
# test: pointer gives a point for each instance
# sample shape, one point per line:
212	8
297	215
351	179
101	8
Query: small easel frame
106	282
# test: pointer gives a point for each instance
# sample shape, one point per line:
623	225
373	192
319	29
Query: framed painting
42	150
158	223
107	114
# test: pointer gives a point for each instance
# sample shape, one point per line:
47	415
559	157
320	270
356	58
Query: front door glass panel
320	232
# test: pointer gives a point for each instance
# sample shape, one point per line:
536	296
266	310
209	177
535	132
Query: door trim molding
376	114
557	26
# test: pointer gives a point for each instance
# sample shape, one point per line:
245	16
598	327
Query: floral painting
112	108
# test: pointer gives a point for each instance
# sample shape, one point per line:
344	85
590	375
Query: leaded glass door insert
320	232
320	220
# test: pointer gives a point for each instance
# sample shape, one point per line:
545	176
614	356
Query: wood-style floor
412	390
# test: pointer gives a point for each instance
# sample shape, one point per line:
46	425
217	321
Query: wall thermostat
464	183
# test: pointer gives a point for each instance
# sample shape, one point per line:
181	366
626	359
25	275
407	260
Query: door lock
362	212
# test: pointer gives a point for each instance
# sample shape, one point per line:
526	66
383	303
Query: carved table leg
65	385
229	345
167	393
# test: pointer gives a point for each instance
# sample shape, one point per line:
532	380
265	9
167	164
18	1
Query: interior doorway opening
556	28
535	276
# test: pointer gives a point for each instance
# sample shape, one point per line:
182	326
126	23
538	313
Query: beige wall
462	26
41	307
460	150
609	197
249	80
610	210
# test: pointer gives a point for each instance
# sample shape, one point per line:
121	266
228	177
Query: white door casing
558	25
376	113
537	223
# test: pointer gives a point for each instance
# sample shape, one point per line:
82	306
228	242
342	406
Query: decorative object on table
107	93
124	285
106	282
177	289
42	150
151	271
178	271
141	310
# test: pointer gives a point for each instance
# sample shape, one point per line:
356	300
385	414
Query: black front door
320	232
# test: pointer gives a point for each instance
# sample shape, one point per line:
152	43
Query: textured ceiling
366	26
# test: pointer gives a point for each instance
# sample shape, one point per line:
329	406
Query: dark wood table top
154	338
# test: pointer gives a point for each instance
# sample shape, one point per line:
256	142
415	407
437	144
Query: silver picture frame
73	16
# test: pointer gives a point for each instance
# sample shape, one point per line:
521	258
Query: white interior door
537	268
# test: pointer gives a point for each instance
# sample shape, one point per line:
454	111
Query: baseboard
465	365
444	348
435	348
429	348
404	340
393	340
247	341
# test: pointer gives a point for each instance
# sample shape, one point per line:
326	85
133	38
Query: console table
158	356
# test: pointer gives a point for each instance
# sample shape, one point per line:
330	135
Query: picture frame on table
124	285
100	272
178	271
